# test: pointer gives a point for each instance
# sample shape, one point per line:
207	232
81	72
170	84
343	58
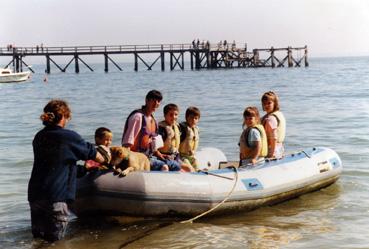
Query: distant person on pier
52	186
190	136
207	45
253	141
274	124
140	132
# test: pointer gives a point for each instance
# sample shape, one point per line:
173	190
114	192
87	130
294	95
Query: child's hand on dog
91	165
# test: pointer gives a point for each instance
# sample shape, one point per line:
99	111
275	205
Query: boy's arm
256	152
271	147
102	158
182	129
103	154
159	155
270	127
163	132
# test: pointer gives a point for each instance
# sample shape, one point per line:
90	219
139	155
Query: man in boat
140	132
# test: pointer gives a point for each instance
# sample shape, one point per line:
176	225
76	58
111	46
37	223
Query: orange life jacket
149	129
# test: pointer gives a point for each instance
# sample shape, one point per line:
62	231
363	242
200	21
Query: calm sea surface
326	104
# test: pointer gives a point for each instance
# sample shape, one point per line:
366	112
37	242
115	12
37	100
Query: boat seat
223	165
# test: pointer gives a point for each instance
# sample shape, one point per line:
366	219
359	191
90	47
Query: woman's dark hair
54	111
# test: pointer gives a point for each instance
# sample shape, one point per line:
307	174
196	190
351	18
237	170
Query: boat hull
14	77
189	194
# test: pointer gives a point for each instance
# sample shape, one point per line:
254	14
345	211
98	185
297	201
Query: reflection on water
268	227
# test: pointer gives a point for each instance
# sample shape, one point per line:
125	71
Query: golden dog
135	161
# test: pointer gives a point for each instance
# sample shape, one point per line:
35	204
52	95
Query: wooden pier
202	56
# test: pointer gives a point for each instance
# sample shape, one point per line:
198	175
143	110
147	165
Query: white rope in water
219	204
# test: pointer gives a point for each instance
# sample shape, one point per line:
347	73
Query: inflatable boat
158	193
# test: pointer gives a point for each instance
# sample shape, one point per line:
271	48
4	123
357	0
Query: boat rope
219	204
209	173
306	154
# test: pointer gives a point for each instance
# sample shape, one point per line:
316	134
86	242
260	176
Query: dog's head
118	154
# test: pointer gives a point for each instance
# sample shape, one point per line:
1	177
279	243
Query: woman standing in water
52	186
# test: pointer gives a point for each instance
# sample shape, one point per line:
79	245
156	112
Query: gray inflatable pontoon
158	193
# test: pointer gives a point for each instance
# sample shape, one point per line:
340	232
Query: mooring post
211	54
136	62
17	64
162	58
191	59
256	57
171	61
47	70
197	60
106	69
208	59
182	54
76	65
306	56
20	64
272	57
289	55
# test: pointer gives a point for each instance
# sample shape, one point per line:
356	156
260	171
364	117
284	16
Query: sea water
326	104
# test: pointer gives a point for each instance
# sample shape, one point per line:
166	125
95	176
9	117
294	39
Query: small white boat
158	193
7	76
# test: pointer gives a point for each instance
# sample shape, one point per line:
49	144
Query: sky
327	27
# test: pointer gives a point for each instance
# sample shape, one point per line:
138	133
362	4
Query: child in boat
169	130
274	124
103	137
190	136
253	142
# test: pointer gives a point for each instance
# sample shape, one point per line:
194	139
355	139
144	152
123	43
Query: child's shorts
157	164
173	165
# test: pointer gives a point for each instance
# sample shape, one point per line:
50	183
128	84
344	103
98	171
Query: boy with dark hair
169	130
190	136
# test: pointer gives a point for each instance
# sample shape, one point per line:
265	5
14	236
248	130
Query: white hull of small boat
158	193
9	77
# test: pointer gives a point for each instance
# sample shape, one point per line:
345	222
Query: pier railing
35	50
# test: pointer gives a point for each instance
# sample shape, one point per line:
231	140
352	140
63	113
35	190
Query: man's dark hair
154	94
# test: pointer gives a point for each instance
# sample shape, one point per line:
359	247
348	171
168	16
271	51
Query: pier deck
203	56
